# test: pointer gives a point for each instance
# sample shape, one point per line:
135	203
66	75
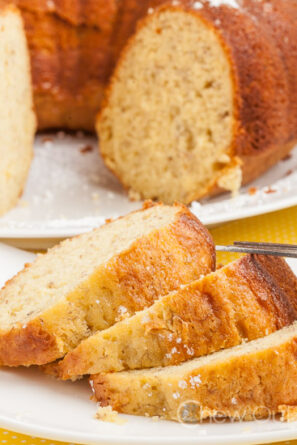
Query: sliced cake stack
86	283
142	292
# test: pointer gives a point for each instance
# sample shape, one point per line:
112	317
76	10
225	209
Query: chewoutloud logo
190	413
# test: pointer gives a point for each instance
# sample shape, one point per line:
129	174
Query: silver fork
274	249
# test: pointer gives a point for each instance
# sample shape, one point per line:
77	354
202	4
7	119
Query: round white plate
34	404
70	191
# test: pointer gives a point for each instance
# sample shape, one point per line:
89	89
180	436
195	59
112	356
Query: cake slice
17	119
85	283
250	381
248	299
202	99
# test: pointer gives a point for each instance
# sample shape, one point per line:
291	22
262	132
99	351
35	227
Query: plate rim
27	427
67	151
208	221
109	439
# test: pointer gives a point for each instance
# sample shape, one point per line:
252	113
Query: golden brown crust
27	344
274	275
247	384
152	266
89	12
262	97
65	95
8	7
278	22
264	91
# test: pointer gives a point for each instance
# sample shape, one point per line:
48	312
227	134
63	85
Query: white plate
34	404
70	192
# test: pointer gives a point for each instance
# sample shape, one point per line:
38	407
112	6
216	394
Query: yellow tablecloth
275	227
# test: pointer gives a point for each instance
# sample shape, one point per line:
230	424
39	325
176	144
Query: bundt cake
17	118
203	98
74	45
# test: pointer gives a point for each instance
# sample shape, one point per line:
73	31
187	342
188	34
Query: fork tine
288	253
269	245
